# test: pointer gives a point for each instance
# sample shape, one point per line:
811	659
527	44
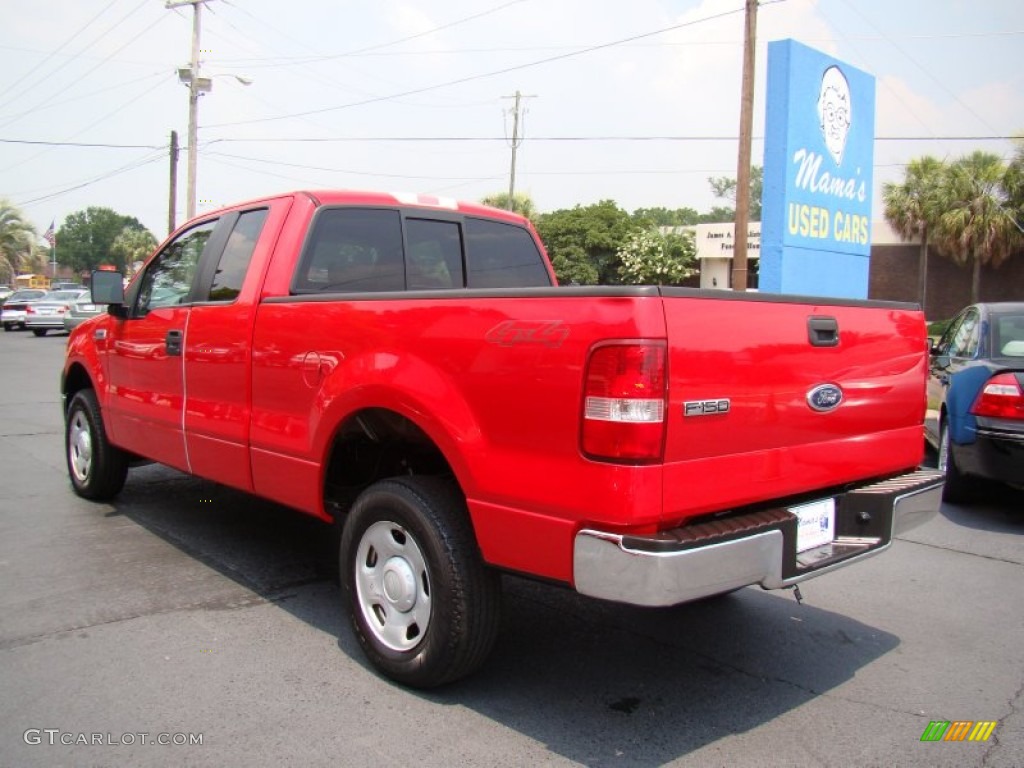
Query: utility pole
196	86
739	253
516	141
172	205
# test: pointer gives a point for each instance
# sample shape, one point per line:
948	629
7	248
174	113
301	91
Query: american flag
50	235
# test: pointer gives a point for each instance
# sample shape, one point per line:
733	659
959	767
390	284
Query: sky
635	102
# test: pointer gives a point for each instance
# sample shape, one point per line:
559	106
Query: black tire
958	487
97	469
423	604
39	331
7	326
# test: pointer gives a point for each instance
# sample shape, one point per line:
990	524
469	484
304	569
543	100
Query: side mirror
107	287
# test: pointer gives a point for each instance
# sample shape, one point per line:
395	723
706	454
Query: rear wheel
958	486
8	326
97	469
39	331
423	604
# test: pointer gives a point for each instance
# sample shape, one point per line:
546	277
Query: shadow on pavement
595	682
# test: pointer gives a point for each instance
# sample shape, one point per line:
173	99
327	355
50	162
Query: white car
47	313
16	305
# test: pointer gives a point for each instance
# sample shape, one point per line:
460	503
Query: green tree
522	203
976	225
87	238
665	217
16	239
654	257
130	246
583	242
724	188
573	267
913	208
718	215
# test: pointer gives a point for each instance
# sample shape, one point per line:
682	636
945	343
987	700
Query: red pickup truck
407	367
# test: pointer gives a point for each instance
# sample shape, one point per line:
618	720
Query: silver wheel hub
399	584
392	586
80	447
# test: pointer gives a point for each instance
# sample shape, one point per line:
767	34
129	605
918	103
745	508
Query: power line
88	72
483	75
469	139
144	161
38	69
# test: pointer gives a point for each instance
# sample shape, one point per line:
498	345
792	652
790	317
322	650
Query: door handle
172	342
822	331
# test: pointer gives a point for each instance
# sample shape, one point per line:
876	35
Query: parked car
977	384
14	308
5	293
47	314
80	311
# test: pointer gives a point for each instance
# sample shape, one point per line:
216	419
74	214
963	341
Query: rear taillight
1000	398
624	394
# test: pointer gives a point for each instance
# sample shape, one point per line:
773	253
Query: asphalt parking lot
188	612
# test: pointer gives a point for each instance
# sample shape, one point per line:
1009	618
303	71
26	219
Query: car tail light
29	311
1000	398
624	402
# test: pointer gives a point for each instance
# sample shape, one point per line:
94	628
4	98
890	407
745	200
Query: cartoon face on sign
835	111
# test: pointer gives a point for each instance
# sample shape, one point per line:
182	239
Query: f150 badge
825	397
706	407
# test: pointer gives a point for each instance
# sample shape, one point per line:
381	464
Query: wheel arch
374	443
75	379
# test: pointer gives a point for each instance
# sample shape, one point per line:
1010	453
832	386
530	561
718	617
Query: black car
976	382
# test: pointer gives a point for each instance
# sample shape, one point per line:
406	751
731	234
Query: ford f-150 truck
407	367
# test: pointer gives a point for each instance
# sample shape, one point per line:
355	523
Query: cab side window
234	261
503	256
168	278
357	250
434	258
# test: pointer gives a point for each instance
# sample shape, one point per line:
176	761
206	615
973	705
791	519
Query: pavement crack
279	593
943	548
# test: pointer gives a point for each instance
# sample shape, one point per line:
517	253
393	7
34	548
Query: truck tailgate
782	396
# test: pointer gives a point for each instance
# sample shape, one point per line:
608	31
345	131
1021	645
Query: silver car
80	311
47	314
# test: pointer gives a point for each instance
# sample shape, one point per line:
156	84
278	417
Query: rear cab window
372	250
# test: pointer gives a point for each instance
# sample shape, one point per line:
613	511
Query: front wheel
97	469
423	604
958	486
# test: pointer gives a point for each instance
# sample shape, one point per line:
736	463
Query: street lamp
197	85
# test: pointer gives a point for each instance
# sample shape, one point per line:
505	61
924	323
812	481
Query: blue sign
818	157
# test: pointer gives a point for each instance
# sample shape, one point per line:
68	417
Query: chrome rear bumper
757	548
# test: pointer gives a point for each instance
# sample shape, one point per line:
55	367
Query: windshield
26	295
63	295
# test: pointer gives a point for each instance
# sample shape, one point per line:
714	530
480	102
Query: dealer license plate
816	524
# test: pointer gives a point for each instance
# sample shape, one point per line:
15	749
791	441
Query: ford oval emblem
825	397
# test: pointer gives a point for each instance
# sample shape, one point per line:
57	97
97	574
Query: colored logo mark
959	730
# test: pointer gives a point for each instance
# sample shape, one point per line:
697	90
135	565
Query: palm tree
976	225
1014	184
912	210
16	237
